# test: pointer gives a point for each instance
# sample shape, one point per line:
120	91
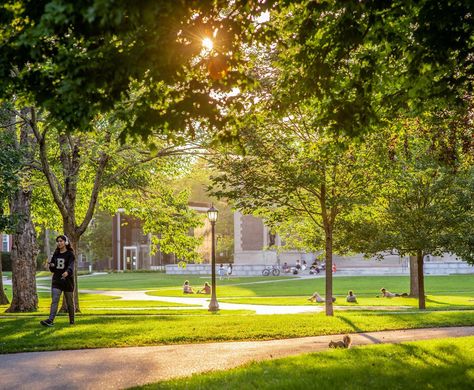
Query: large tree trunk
24	248
24	252
414	277
3	297
421	281
329	304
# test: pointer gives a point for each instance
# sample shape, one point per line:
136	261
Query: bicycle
274	270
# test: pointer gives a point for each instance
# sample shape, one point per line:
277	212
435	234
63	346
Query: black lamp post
212	215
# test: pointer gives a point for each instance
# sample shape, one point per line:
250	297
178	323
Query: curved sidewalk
204	303
119	368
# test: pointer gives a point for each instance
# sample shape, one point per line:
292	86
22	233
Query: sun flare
207	43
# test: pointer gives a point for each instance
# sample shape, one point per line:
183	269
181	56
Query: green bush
6	261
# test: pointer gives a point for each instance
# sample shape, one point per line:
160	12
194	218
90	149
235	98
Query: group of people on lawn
300	266
351	298
222	272
187	289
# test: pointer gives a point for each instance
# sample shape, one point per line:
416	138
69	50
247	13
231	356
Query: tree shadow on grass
374	340
447	305
26	334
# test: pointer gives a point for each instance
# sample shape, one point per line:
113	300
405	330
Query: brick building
132	248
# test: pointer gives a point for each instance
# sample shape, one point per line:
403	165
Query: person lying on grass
187	289
318	298
206	289
388	294
351	297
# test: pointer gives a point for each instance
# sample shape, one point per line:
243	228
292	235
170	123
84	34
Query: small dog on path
345	343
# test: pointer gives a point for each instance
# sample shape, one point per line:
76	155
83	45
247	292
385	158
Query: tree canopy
76	59
366	61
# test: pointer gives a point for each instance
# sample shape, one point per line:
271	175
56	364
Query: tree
24	249
425	205
96	242
197	180
79	168
293	172
10	165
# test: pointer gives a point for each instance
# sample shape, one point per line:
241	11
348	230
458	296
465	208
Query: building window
5	243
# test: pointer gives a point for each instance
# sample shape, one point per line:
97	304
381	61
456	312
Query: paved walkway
119	368
203	303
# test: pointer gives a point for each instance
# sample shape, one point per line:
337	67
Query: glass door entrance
130	258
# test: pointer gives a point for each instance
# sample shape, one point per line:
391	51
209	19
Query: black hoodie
63	262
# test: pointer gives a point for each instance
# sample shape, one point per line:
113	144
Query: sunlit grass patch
129	304
432	301
100	304
24	333
151	281
222	291
434	364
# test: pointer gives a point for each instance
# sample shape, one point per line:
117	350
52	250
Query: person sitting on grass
314	269
351	297
318	298
206	289
388	294
286	268
187	289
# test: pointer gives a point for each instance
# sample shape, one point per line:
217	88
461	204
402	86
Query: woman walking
62	267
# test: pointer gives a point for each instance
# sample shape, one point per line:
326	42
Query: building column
237	232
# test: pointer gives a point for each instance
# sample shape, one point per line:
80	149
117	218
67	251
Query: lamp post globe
212	214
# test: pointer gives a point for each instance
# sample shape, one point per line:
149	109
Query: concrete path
204	303
119	368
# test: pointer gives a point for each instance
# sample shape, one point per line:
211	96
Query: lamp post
212	216
118	238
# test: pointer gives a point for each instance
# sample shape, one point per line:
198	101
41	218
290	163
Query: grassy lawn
435	364
24	333
97	304
432	301
107	322
151	281
443	292
368	286
363	286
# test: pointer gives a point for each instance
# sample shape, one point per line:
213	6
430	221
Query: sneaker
47	322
